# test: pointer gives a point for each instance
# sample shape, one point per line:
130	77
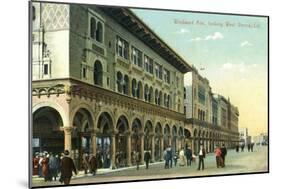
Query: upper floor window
93	28
33	13
122	47
201	94
137	56
184	93
166	75
158	71
99	33
148	64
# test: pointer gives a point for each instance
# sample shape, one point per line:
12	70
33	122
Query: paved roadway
241	162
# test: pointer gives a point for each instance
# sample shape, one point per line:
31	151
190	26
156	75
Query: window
119	82
84	73
148	64
184	109
201	94
99	32
98	72
184	93
122	47
93	28
146	93
166	75
46	69
137	56
158	71
134	87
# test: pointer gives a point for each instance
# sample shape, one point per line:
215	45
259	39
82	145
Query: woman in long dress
182	158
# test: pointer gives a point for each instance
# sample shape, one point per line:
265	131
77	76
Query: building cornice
132	23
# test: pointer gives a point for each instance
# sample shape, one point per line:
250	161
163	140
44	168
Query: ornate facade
211	118
104	83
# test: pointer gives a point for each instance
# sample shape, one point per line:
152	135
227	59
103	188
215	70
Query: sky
230	49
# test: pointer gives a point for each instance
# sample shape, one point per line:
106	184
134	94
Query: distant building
212	119
244	136
261	139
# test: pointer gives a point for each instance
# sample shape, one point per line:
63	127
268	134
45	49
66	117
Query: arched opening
160	99
147	136
158	146
81	135
121	142
156	97
166	136
104	151
136	137
98	72
46	131
99	33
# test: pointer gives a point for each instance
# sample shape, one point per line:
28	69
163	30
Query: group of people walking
249	145
49	166
184	156
89	163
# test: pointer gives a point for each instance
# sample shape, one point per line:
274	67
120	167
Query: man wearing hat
67	166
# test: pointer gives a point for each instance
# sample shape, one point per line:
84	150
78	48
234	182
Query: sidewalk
100	171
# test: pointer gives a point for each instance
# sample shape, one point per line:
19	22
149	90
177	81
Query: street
241	162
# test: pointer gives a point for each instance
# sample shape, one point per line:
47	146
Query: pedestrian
176	157
218	156
237	148
170	156
35	163
202	154
40	165
67	166
249	147
147	158
223	154
85	163
166	159
182	158
54	166
45	167
242	147
188	155
138	159
252	147
93	164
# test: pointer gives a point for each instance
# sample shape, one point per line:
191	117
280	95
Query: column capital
67	129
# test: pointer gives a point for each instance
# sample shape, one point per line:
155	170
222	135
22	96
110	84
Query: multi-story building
211	118
244	137
104	83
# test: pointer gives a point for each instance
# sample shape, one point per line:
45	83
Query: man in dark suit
147	158
67	166
188	154
223	154
202	155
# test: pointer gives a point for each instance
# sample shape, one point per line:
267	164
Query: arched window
156	97
146	93
119	82
134	88
150	95
99	32
93	28
160	99
98	73
140	90
126	85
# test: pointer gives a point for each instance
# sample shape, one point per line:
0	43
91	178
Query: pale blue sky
234	57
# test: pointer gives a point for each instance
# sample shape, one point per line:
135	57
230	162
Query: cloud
246	44
240	67
182	31
214	36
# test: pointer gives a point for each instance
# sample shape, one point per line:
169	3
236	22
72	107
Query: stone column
113	166
161	147
67	138
94	145
142	147
129	150
152	148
